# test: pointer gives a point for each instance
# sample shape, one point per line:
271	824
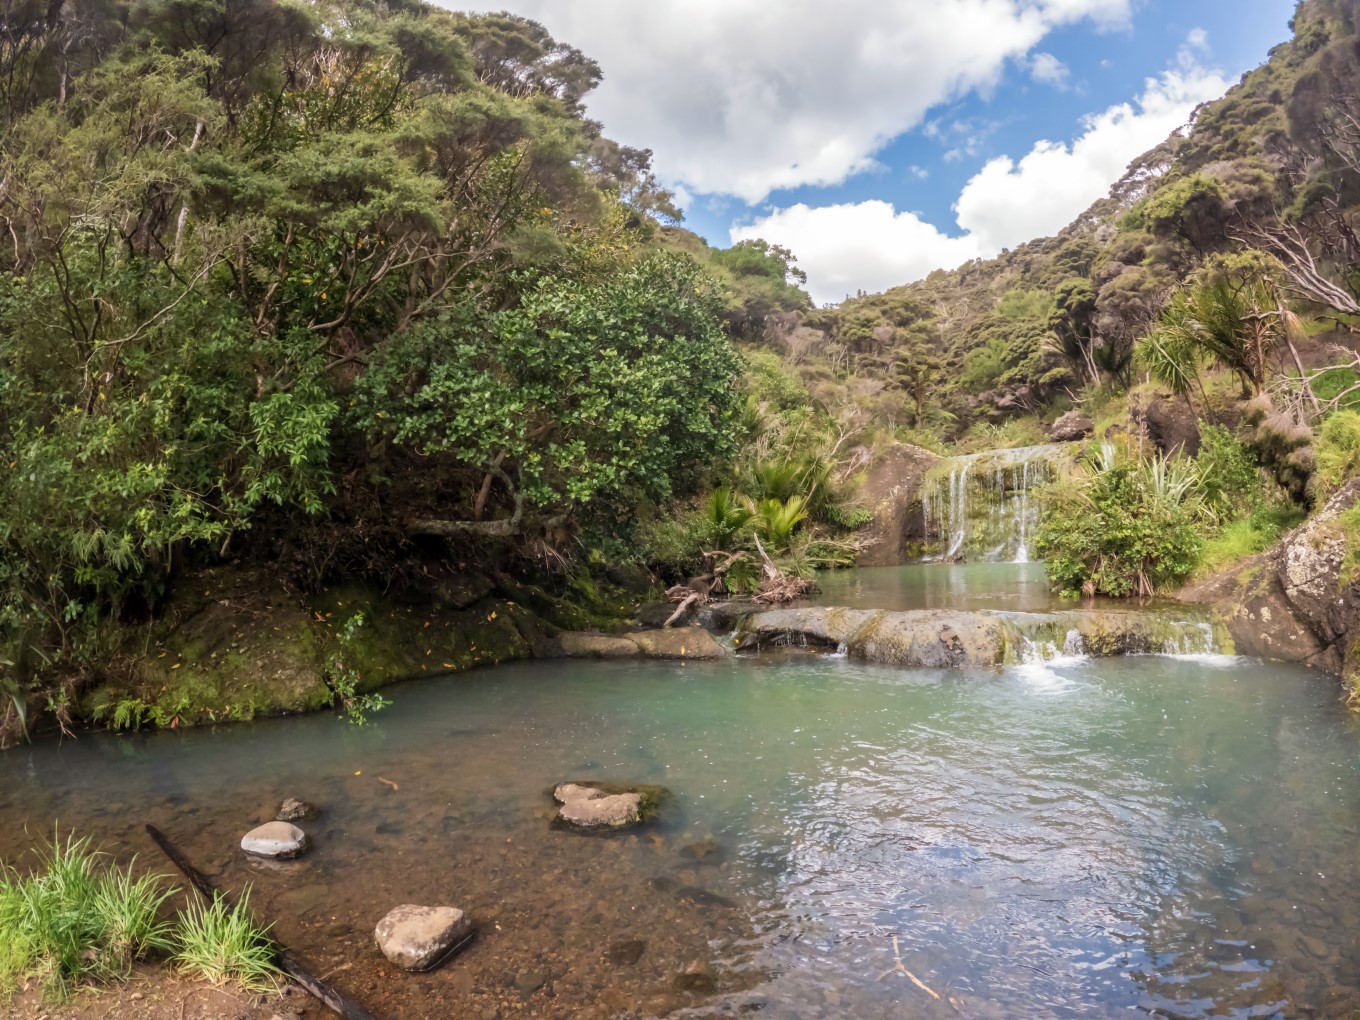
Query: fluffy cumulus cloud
871	245
1011	201
1049	70
866	246
743	97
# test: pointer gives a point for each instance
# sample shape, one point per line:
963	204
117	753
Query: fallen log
330	997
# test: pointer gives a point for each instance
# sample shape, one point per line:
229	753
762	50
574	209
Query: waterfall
982	506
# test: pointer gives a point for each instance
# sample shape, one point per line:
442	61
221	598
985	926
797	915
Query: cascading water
982	506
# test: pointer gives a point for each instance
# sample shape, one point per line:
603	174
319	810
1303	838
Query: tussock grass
221	942
75	918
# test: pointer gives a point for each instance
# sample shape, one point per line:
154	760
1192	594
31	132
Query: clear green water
1017	587
1152	834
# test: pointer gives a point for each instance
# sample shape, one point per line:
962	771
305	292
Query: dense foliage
341	277
1128	528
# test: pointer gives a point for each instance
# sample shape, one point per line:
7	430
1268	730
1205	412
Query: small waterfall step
941	639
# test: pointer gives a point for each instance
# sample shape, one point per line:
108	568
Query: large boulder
417	938
596	646
1071	427
892	493
932	639
945	639
811	625
1169	422
678	643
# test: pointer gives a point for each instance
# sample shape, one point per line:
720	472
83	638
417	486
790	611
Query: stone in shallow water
292	810
416	938
626	952
591	808
274	839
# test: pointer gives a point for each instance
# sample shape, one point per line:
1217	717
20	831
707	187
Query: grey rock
415	938
274	839
596	646
588	807
655	614
530	981
1071	427
678	643
294	810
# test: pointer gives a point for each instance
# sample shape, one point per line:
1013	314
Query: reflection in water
1149	833
1018	587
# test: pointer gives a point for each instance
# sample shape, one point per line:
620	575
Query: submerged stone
604	806
625	953
293	810
415	938
274	839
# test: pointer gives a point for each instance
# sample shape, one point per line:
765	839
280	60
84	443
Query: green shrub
1338	451
1126	529
1229	474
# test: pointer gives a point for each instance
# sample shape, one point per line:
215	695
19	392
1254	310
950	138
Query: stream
1171	835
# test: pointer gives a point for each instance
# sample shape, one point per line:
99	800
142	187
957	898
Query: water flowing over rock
983	506
943	639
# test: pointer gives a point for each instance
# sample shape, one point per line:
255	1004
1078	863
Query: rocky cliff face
1293	601
892	493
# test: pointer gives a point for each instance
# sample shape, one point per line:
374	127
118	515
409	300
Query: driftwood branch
324	993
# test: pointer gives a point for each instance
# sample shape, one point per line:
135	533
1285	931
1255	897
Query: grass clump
77	918
220	942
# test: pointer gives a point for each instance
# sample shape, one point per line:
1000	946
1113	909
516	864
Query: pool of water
1164	835
1017	587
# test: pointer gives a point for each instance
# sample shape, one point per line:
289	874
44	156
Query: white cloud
1011	201
870	245
859	246
743	97
1049	70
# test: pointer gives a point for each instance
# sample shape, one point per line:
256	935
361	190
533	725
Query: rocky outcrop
892	493
417	938
1291	602
1169	422
1071	427
940	639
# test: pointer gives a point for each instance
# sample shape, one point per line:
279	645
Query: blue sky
882	140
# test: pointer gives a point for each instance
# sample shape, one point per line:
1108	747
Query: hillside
1273	167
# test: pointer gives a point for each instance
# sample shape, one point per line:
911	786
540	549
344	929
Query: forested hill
347	287
1270	172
